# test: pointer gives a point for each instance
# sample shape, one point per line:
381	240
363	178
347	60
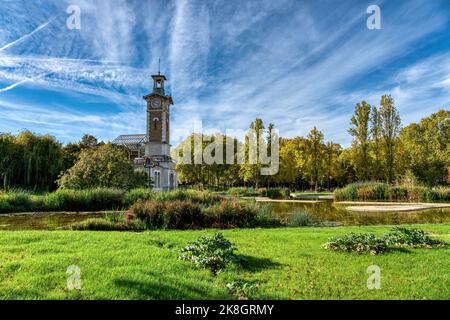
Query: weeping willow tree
30	161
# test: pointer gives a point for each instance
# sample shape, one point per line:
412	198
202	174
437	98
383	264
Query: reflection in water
328	211
45	221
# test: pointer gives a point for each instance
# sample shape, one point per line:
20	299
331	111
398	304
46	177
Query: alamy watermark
374	280
374	20
259	148
74	279
74	20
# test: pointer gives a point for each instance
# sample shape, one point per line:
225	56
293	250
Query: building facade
150	152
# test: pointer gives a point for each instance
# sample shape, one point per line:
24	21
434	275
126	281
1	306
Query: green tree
314	165
376	139
104	166
332	151
360	132
88	141
251	172
425	148
390	127
30	161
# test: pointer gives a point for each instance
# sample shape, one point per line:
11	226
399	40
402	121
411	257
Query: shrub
183	215
359	243
232	214
278	193
439	194
169	214
105	225
213	253
300	219
149	212
413	238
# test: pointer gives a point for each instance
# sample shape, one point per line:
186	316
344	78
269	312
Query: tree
71	152
360	133
376	127
314	157
425	148
390	127
291	160
105	166
251	169
332	151
30	161
88	141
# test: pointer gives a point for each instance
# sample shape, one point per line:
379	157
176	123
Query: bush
183	215
105	225
439	194
233	214
213	253
149	212
300	219
412	238
359	243
278	193
169	214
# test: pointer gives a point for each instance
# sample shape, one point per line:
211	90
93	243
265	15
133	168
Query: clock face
156	103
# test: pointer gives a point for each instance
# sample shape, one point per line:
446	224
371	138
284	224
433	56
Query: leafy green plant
410	238
357	242
213	253
241	289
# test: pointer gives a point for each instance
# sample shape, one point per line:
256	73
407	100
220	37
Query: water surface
321	213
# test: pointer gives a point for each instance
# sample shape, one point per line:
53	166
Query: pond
45	220
331	213
326	213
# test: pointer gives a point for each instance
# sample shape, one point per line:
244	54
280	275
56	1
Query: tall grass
95	199
377	191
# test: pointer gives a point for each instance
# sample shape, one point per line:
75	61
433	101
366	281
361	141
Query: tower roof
161	76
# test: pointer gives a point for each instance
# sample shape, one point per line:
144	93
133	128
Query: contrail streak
21	82
14	85
42	26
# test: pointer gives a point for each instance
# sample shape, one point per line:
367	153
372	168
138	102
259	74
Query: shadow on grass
163	288
249	263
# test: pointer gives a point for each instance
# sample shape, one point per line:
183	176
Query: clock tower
153	148
158	119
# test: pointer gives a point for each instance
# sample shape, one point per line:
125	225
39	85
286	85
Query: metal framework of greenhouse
134	143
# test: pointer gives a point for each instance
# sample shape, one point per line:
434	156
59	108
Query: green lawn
283	263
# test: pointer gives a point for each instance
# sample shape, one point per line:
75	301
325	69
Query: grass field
285	263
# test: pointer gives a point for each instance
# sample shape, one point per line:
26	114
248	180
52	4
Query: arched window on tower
155	123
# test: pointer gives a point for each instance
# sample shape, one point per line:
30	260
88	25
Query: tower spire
159	66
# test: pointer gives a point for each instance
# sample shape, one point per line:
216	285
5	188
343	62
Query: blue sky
297	64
